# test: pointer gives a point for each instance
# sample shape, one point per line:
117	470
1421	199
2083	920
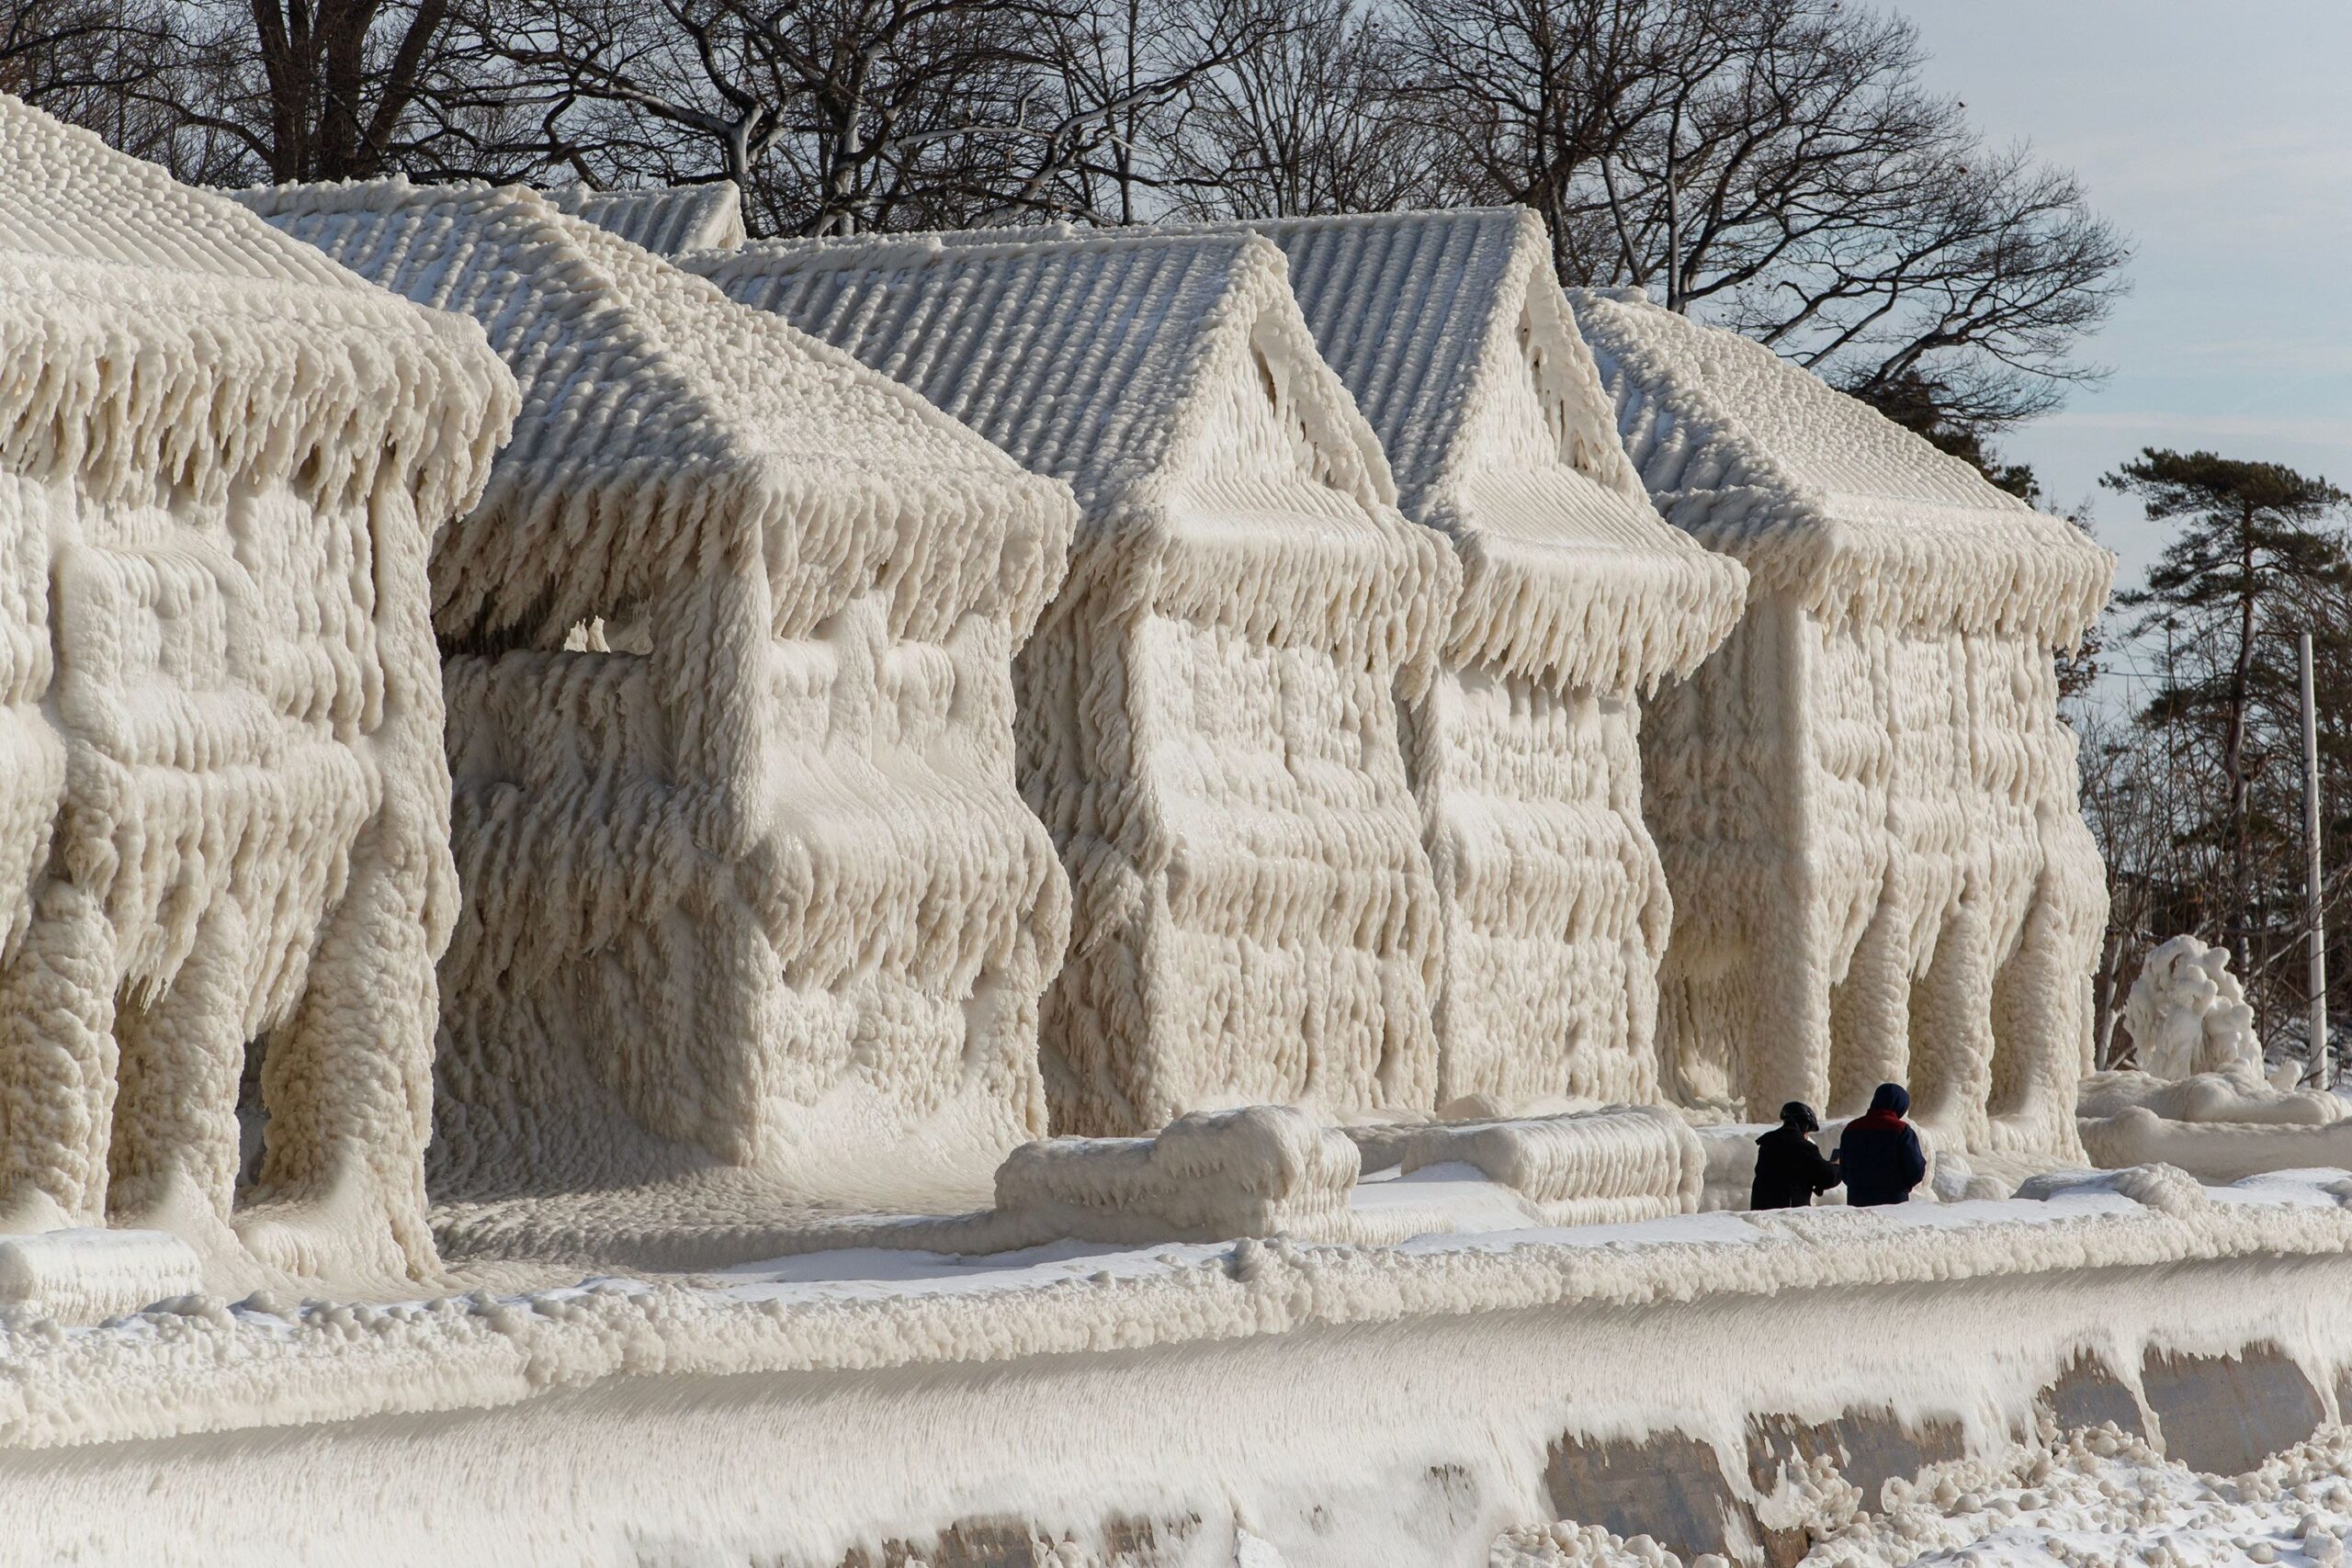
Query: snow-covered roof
1114	361
666	220
1823	499
663	426
1450	329
156	337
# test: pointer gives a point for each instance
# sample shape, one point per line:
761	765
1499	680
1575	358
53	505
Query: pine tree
2255	558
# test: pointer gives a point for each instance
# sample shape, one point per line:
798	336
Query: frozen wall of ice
753	906
1866	800
1209	711
223	806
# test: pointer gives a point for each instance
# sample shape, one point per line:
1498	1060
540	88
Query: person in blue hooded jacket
1879	1153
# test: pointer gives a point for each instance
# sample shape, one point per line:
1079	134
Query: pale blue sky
2219	135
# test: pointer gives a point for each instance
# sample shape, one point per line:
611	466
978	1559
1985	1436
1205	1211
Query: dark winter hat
1892	1097
1797	1114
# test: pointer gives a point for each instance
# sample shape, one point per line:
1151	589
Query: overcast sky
2218	134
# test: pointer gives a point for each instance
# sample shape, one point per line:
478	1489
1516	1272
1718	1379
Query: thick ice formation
1866	800
1209	709
2200	1099
669	221
85	1275
2085	1496
224	862
1449	331
754	908
1593	1168
1351	1407
1207	1176
2187	1013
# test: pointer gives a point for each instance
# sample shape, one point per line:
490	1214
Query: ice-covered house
1450	329
754	911
1866	799
224	859
1209	710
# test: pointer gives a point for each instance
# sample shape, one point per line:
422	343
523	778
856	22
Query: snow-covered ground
2093	1500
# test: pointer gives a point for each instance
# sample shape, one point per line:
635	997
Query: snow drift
224	860
1865	800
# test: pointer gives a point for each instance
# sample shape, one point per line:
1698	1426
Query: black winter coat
1789	1170
1882	1162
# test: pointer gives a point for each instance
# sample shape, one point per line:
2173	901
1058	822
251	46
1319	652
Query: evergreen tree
2255	560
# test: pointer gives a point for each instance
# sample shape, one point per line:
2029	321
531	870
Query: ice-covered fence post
2316	919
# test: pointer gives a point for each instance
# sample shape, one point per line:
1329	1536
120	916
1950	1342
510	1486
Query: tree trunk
2105	982
2234	754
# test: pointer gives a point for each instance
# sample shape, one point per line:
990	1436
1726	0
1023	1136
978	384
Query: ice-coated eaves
1449	329
1102	360
157	339
669	221
663	424
1821	497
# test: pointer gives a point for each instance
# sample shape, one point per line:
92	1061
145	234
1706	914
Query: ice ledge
85	1274
203	1365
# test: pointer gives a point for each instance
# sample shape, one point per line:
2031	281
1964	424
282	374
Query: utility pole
2316	1067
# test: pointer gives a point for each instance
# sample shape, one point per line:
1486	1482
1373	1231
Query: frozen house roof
666	220
1821	497
156	337
1114	362
1450	329
662	424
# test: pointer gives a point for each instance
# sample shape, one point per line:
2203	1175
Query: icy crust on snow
1208	713
669	221
752	904
1865	801
196	1365
1449	329
2081	1499
223	803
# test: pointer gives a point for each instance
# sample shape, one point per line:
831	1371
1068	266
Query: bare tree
301	89
1109	101
1309	121
1776	165
86	61
839	116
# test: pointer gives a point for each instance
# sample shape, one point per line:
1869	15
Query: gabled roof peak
161	339
660	417
1824	498
1087	357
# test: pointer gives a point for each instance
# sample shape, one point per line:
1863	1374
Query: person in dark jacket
1879	1153
1789	1169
